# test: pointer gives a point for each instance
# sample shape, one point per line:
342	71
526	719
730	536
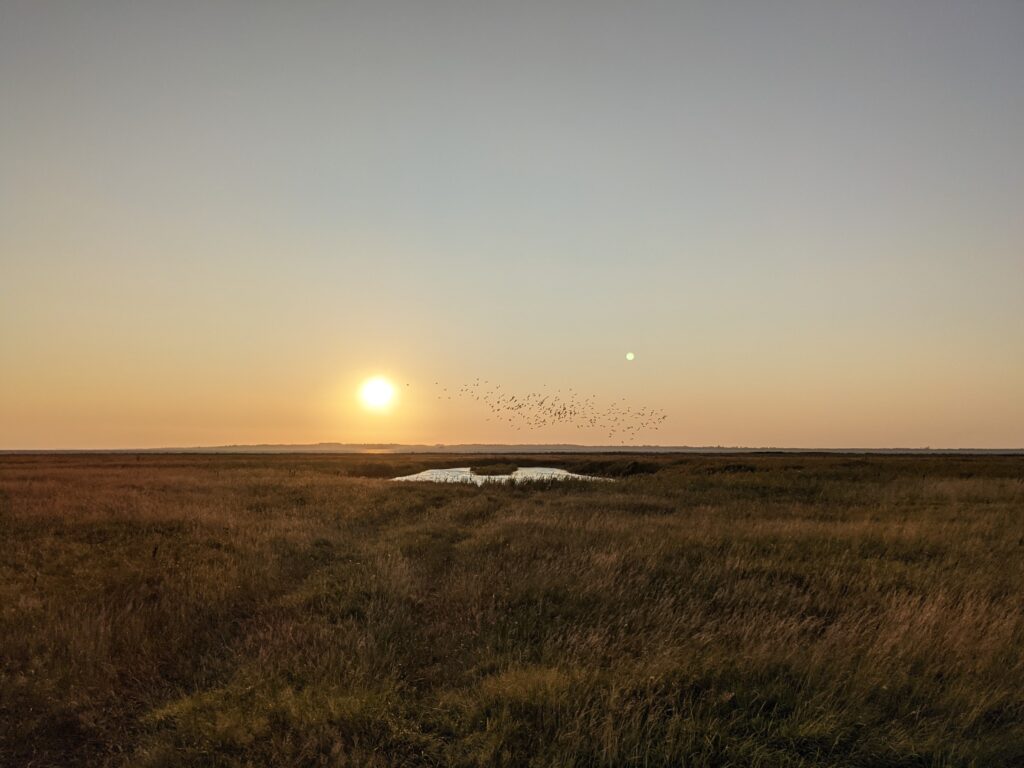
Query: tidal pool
467	475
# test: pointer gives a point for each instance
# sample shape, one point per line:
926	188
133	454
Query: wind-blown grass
789	610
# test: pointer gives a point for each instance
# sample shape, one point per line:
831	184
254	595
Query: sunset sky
218	219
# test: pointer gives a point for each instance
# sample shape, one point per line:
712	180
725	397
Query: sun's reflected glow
377	393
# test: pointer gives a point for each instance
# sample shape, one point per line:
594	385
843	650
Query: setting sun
377	393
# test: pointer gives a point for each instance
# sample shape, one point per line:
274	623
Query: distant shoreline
395	449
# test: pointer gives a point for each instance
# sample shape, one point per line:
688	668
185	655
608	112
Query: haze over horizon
218	220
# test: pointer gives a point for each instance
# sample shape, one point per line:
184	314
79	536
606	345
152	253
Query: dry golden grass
788	610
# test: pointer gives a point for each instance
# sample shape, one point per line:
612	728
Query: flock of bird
537	410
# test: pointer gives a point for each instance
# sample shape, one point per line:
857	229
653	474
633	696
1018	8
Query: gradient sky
805	218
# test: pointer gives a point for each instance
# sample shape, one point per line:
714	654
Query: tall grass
785	610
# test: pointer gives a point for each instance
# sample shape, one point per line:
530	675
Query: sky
805	219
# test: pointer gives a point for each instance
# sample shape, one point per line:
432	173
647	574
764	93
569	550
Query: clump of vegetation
499	468
274	610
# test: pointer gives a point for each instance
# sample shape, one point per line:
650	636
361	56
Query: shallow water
467	475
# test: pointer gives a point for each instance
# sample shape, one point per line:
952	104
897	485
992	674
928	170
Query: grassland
786	610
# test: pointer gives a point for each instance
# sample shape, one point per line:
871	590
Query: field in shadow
746	610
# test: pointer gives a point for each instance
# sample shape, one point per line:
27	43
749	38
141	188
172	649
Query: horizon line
397	448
